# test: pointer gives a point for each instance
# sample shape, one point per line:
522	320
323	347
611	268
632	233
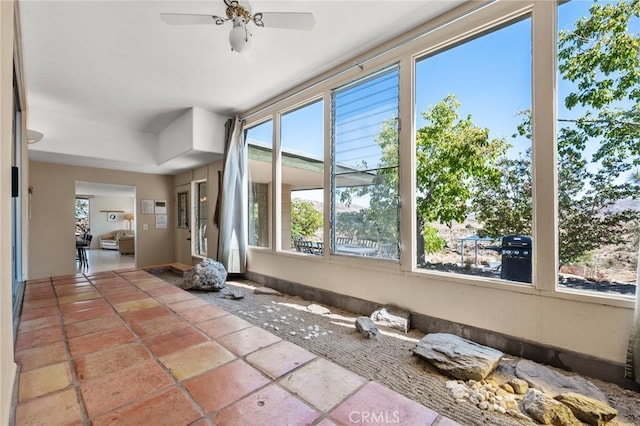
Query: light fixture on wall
129	218
34	136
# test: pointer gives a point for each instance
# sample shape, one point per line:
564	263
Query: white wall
98	222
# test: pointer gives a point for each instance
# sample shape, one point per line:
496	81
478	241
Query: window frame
438	34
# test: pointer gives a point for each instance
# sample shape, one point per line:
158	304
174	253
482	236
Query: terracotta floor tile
248	340
83	306
164	289
188	305
93	325
326	422
60	408
269	406
126	296
224	325
280	358
172	297
87	295
322	383
196	359
135	305
175	340
97	341
203	422
87	314
30	339
38	293
146	314
158	325
110	360
123	387
203	314
239	380
39	356
40	303
137	275
43	380
76	288
28	314
171	407
376	399
38	323
69	279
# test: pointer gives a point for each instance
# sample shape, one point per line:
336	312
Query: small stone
317	309
507	388
393	317
293	333
501	410
306	337
547	410
267	291
519	386
588	410
483	405
367	328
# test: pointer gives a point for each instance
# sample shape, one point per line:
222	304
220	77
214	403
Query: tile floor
126	348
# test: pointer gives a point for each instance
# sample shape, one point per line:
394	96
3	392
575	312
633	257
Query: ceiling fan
240	15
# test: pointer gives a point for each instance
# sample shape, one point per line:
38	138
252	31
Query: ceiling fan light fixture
239	36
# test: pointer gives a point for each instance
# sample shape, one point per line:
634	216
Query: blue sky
489	75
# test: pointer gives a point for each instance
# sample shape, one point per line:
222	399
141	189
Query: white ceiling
104	78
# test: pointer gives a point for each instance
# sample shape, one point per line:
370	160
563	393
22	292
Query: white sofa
109	241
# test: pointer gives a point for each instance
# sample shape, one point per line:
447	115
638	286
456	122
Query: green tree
305	219
600	55
452	156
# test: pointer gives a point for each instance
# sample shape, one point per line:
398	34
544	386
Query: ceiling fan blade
191	19
288	20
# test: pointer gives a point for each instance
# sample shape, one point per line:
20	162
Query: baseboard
556	357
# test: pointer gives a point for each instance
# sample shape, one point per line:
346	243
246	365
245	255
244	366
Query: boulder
588	410
547	410
392	317
208	275
554	383
461	358
367	328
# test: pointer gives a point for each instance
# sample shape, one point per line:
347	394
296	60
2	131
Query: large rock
553	383
367	328
392	317
547	410
208	275
461	358
588	410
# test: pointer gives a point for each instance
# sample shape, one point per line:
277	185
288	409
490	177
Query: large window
365	212
473	156
302	160
598	147
82	215
200	219
260	152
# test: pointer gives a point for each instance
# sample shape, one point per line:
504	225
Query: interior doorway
106	230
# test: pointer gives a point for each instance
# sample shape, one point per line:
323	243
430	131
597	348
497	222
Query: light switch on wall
145	227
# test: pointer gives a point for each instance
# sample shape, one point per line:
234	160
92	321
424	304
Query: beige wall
7	366
51	238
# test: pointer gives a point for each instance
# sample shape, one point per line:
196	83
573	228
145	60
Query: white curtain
232	243
632	370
